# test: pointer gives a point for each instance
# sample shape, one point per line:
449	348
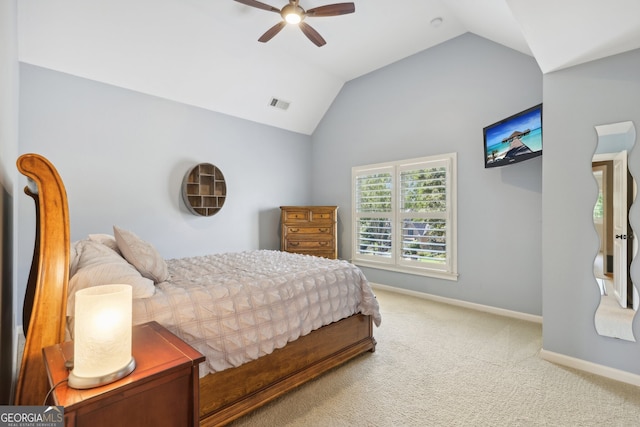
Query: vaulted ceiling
205	52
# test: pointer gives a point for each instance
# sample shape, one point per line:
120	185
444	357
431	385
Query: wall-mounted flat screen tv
514	139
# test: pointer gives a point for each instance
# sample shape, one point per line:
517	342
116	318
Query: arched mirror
617	248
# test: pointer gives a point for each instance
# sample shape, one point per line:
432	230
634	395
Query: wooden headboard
45	305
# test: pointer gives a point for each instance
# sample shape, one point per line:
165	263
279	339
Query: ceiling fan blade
332	9
257	4
312	34
271	32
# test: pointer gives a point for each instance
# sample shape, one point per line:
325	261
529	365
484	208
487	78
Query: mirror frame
611	318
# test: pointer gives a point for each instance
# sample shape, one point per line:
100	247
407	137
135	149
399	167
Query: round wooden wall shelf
204	189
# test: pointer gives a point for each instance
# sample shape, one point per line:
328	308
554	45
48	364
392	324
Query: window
404	216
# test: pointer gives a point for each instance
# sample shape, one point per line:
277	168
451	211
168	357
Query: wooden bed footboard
227	395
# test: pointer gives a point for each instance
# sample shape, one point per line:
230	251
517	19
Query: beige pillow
142	255
106	239
96	265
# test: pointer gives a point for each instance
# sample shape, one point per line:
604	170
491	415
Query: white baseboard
460	303
593	368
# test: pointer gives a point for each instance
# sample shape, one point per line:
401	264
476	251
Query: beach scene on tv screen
511	138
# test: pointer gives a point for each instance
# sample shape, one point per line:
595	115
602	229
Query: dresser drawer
292	231
323	215
309	214
308	244
296	215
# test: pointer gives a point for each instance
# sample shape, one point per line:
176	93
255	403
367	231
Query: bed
318	313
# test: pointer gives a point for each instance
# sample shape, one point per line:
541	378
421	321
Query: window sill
416	271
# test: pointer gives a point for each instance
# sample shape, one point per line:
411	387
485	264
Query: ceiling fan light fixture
292	14
293	18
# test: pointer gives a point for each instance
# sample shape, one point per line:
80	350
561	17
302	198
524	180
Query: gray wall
123	155
8	150
576	100
435	102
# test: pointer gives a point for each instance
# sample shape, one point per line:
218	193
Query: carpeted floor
441	365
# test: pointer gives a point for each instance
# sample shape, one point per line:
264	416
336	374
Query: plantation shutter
374	213
424	214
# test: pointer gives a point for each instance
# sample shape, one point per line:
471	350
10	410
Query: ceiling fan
294	14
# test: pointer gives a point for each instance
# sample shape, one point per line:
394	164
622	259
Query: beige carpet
441	365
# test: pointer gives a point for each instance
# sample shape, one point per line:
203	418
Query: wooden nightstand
163	390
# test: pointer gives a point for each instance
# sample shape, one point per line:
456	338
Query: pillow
106	239
98	265
74	258
142	255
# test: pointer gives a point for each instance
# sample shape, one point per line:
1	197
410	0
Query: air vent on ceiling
279	103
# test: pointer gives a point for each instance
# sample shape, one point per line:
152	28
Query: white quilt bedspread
236	307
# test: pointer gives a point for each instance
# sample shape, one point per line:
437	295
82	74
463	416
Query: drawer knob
294	230
323	230
294	243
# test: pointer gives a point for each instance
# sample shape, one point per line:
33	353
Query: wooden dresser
163	390
310	230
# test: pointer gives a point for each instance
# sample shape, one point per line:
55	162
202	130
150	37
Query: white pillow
99	265
142	255
106	239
